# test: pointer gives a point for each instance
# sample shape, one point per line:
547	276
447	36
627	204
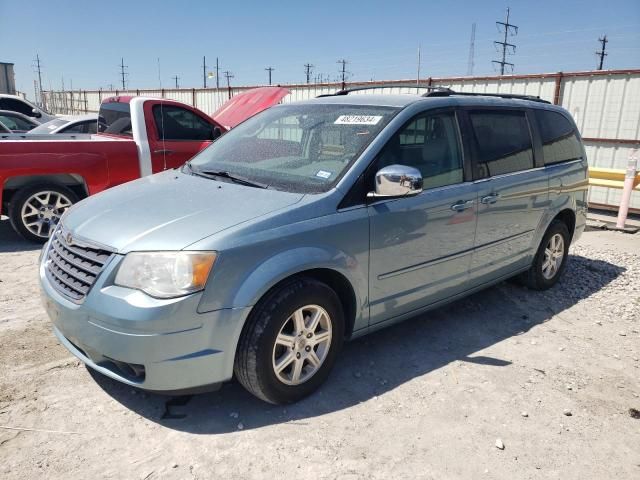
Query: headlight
165	274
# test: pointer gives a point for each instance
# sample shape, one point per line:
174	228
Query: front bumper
154	344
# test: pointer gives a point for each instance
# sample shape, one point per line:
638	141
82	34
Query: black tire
534	277
21	197
253	363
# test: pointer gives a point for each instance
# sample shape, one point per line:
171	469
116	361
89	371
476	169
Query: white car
18	104
69	124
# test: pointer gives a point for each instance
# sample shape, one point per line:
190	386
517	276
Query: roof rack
449	92
347	91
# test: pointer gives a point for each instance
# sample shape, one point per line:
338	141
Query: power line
269	69
343	72
472	50
176	78
307	71
123	73
601	53
508	27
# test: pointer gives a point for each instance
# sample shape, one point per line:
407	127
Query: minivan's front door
512	193
420	246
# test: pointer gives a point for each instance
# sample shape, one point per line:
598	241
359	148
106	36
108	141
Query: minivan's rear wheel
290	341
36	210
551	257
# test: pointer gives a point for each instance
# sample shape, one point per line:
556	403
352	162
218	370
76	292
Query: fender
292	262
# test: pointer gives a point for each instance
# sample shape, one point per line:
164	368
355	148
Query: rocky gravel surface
507	383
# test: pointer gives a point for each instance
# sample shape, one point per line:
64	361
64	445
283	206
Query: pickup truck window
176	123
115	118
296	148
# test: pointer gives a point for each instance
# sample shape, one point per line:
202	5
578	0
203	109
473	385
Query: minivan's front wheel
36	210
290	342
551	258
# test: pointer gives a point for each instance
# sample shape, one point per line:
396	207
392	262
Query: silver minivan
309	224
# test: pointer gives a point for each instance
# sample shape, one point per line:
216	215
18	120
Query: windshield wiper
231	176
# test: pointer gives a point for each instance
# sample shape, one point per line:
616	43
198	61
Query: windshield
297	148
49	126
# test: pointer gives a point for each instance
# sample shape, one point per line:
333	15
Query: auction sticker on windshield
358	120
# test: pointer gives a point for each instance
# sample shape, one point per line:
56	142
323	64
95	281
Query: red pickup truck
41	176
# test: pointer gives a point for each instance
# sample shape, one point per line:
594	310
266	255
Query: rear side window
559	140
503	140
16	106
15	123
115	118
175	123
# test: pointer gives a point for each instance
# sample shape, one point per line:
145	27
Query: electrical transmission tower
307	71
228	75
123	73
472	50
176	78
343	72
601	53
269	69
39	70
508	28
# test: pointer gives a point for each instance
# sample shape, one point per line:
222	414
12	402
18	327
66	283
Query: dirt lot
554	376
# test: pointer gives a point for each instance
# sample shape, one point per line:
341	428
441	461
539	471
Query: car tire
35	210
270	339
551	257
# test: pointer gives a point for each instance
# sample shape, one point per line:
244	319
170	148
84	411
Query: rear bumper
160	345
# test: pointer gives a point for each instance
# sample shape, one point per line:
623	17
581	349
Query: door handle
461	205
490	199
164	151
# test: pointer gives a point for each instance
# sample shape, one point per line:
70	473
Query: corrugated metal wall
605	105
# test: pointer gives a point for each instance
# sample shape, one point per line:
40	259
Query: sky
82	43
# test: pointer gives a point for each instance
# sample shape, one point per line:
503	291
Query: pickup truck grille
72	268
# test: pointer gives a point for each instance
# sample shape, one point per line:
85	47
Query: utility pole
217	74
269	69
508	28
123	73
228	76
204	72
472	51
307	71
343	72
38	67
111	89
175	77
601	53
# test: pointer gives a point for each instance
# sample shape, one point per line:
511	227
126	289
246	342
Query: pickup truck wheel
551	258
36	210
290	342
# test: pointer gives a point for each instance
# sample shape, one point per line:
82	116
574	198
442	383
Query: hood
169	211
247	104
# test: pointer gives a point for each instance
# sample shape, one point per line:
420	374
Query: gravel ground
507	383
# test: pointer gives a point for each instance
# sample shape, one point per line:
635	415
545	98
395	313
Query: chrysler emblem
69	239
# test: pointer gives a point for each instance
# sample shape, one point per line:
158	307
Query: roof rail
448	93
347	91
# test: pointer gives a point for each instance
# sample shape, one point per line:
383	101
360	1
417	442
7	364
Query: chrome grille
72	268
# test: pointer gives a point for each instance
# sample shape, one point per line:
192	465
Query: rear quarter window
560	142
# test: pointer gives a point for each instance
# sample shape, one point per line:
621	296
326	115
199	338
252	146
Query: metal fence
605	105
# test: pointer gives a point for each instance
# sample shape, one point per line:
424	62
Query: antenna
508	28
601	53
472	50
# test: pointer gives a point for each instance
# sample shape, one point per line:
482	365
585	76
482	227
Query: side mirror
216	133
397	181
36	113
